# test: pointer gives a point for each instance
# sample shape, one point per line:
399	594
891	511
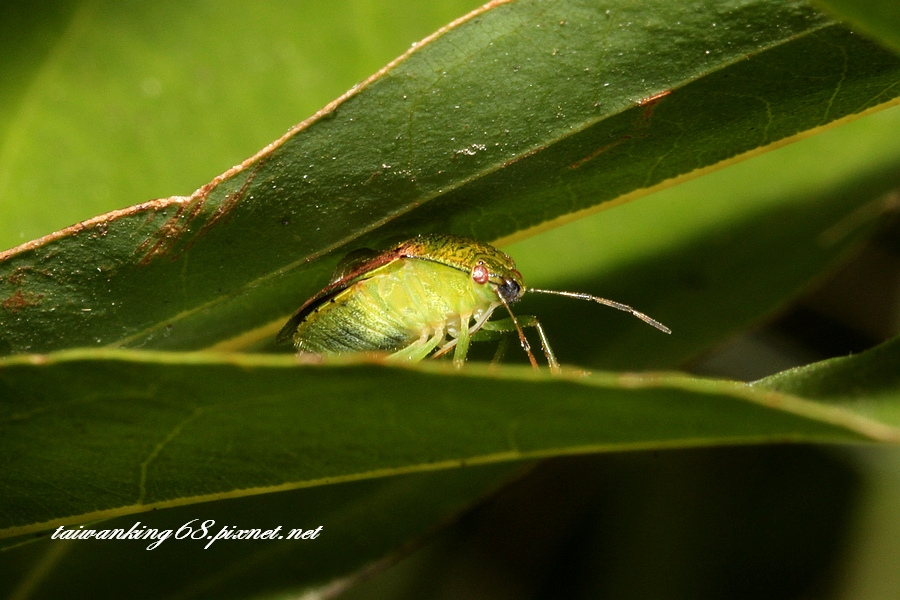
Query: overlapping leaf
106	104
500	123
879	18
134	432
122	433
361	522
478	131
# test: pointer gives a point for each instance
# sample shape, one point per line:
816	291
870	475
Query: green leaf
108	104
123	432
168	420
713	255
866	383
456	137
498	127
361	522
879	18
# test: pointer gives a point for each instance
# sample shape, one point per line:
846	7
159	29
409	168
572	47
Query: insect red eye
480	273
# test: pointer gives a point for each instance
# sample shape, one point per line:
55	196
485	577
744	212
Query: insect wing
352	268
354	263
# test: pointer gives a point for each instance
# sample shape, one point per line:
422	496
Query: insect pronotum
426	296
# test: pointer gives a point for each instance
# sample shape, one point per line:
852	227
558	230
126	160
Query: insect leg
472	330
529	321
501	349
522	339
508	325
420	348
462	343
459	356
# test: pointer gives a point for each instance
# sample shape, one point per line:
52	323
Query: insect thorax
401	302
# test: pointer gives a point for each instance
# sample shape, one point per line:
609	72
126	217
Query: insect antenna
525	345
606	302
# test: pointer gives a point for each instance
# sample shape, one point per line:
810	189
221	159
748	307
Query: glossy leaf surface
456	137
177	429
124	432
879	18
510	121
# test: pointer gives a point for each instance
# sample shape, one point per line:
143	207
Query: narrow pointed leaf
362	522
97	434
498	123
866	383
716	254
878	18
106	104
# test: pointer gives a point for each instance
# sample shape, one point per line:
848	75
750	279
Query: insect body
427	295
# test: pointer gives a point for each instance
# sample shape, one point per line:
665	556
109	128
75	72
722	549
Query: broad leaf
497	127
361	522
879	18
455	136
106	104
164	433
125	432
867	383
713	255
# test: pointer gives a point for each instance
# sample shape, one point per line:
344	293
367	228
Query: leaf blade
161	429
234	257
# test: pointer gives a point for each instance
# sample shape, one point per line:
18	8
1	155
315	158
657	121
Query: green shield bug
428	295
